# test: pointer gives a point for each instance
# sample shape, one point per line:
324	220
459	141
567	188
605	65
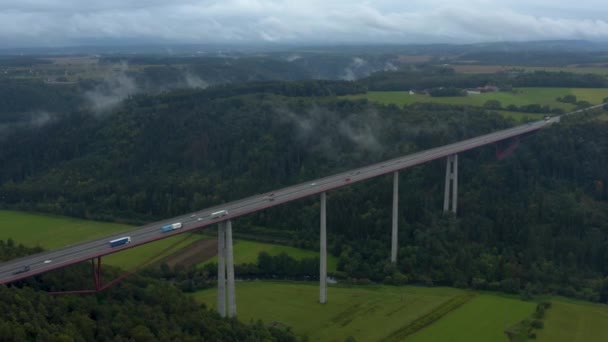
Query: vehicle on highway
199	219
547	118
313	184
218	214
192	215
120	241
23	269
46	261
171	227
269	197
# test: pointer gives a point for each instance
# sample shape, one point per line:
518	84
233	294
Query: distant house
473	92
488	89
412	92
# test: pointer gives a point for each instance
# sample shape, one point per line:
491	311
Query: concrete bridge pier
225	271
395	234
230	270
451	184
323	252
221	270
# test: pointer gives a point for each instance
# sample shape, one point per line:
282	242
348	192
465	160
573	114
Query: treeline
137	309
267	266
559	79
428	78
529	57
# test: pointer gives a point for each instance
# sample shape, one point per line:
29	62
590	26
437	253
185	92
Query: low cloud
116	87
32	119
193	81
320	129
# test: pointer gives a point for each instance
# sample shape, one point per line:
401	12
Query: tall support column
455	184
323	252
446	194
451	184
230	271
221	270
394	237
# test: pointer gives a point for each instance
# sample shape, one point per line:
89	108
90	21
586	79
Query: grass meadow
484	318
378	313
366	313
52	232
574	321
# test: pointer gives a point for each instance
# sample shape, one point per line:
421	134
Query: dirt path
193	254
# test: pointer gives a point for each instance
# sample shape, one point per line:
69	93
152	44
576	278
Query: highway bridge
39	263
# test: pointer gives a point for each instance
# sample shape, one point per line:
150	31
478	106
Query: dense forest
138	309
531	223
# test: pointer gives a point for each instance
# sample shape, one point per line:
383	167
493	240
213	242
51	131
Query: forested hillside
138	309
531	223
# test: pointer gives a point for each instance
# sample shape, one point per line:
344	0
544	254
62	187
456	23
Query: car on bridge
219	214
120	241
171	227
23	269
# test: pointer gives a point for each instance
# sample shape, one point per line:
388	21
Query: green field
574	321
484	318
51	232
373	313
247	252
366	313
522	96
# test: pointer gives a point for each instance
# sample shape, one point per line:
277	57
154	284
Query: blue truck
120	241
170	227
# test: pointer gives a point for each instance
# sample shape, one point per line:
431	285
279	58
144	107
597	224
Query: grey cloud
57	22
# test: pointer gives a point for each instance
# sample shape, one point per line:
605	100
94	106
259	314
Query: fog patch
352	71
388	66
115	87
324	131
359	131
33	119
193	81
292	58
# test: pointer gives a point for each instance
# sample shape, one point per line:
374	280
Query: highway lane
151	232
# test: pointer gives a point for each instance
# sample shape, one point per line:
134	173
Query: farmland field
521	96
574	321
484	318
373	313
51	232
366	313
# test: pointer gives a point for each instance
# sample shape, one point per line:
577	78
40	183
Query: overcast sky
74	22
